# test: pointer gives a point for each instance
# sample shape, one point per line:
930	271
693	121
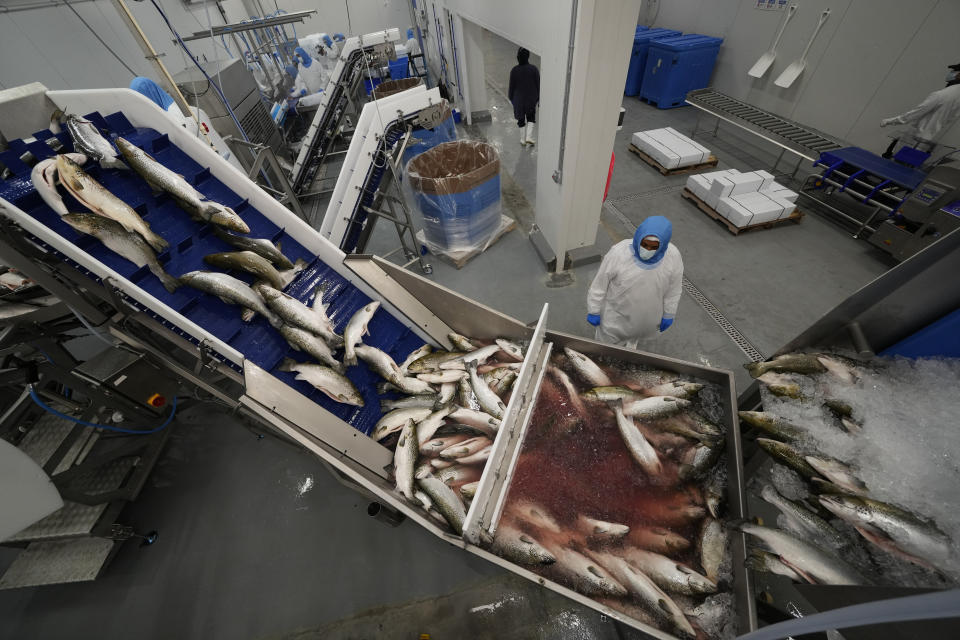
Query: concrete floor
257	540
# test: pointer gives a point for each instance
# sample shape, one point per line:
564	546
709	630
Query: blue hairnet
661	229
338	36
152	90
327	41
304	56
291	70
409	33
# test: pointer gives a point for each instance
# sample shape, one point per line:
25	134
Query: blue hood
659	227
327	41
152	90
304	57
409	33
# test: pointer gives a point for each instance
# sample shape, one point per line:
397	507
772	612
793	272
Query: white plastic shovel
791	73
761	66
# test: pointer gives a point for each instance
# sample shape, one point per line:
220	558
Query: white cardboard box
783	193
698	185
702	150
736	213
767	178
788	206
689	154
744	183
656	150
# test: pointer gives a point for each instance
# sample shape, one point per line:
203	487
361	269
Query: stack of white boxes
670	148
743	198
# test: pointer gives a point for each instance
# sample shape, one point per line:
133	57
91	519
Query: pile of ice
744	199
670	148
907	454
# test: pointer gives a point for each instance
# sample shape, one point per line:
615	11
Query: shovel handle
783	27
820	23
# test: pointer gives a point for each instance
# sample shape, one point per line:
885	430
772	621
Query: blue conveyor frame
189	242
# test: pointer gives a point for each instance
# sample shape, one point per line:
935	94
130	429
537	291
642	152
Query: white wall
873	58
53	47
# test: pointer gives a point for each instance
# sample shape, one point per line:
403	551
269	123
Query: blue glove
593	319
665	324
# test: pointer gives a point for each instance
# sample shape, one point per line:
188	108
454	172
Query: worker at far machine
310	76
331	53
413	49
524	94
933	116
635	294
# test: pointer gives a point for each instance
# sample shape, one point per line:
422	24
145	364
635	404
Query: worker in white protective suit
635	294
932	117
310	75
413	49
331	52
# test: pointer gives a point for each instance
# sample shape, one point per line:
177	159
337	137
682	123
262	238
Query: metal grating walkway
801	139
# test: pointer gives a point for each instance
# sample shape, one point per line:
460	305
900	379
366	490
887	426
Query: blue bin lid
654	34
688	42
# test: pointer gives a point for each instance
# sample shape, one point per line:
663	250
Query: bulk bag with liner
456	186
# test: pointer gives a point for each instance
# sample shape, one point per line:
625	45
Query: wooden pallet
710	163
796	216
460	258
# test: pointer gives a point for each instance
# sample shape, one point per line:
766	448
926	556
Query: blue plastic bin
676	66
638	56
399	68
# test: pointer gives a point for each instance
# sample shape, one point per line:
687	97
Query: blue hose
223	98
40	403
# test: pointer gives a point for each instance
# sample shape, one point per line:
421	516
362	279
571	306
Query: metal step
47	435
74	520
804	140
58	562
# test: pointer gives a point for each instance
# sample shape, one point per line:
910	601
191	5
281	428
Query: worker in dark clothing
524	93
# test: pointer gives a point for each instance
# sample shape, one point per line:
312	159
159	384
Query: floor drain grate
738	338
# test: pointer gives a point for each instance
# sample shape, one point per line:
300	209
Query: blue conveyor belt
906	177
190	241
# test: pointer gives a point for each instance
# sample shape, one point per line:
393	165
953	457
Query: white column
472	69
601	54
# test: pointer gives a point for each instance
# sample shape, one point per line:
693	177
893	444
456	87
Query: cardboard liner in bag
391	87
453	167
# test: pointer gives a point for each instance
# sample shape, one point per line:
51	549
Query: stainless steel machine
240	89
930	212
207	346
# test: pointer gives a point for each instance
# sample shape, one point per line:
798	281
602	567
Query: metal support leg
779	158
263	154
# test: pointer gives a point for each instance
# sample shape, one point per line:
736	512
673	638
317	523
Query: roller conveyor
342	86
800	139
214	351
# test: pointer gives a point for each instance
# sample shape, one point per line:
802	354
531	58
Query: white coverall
933	116
413	48
632	297
311	79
